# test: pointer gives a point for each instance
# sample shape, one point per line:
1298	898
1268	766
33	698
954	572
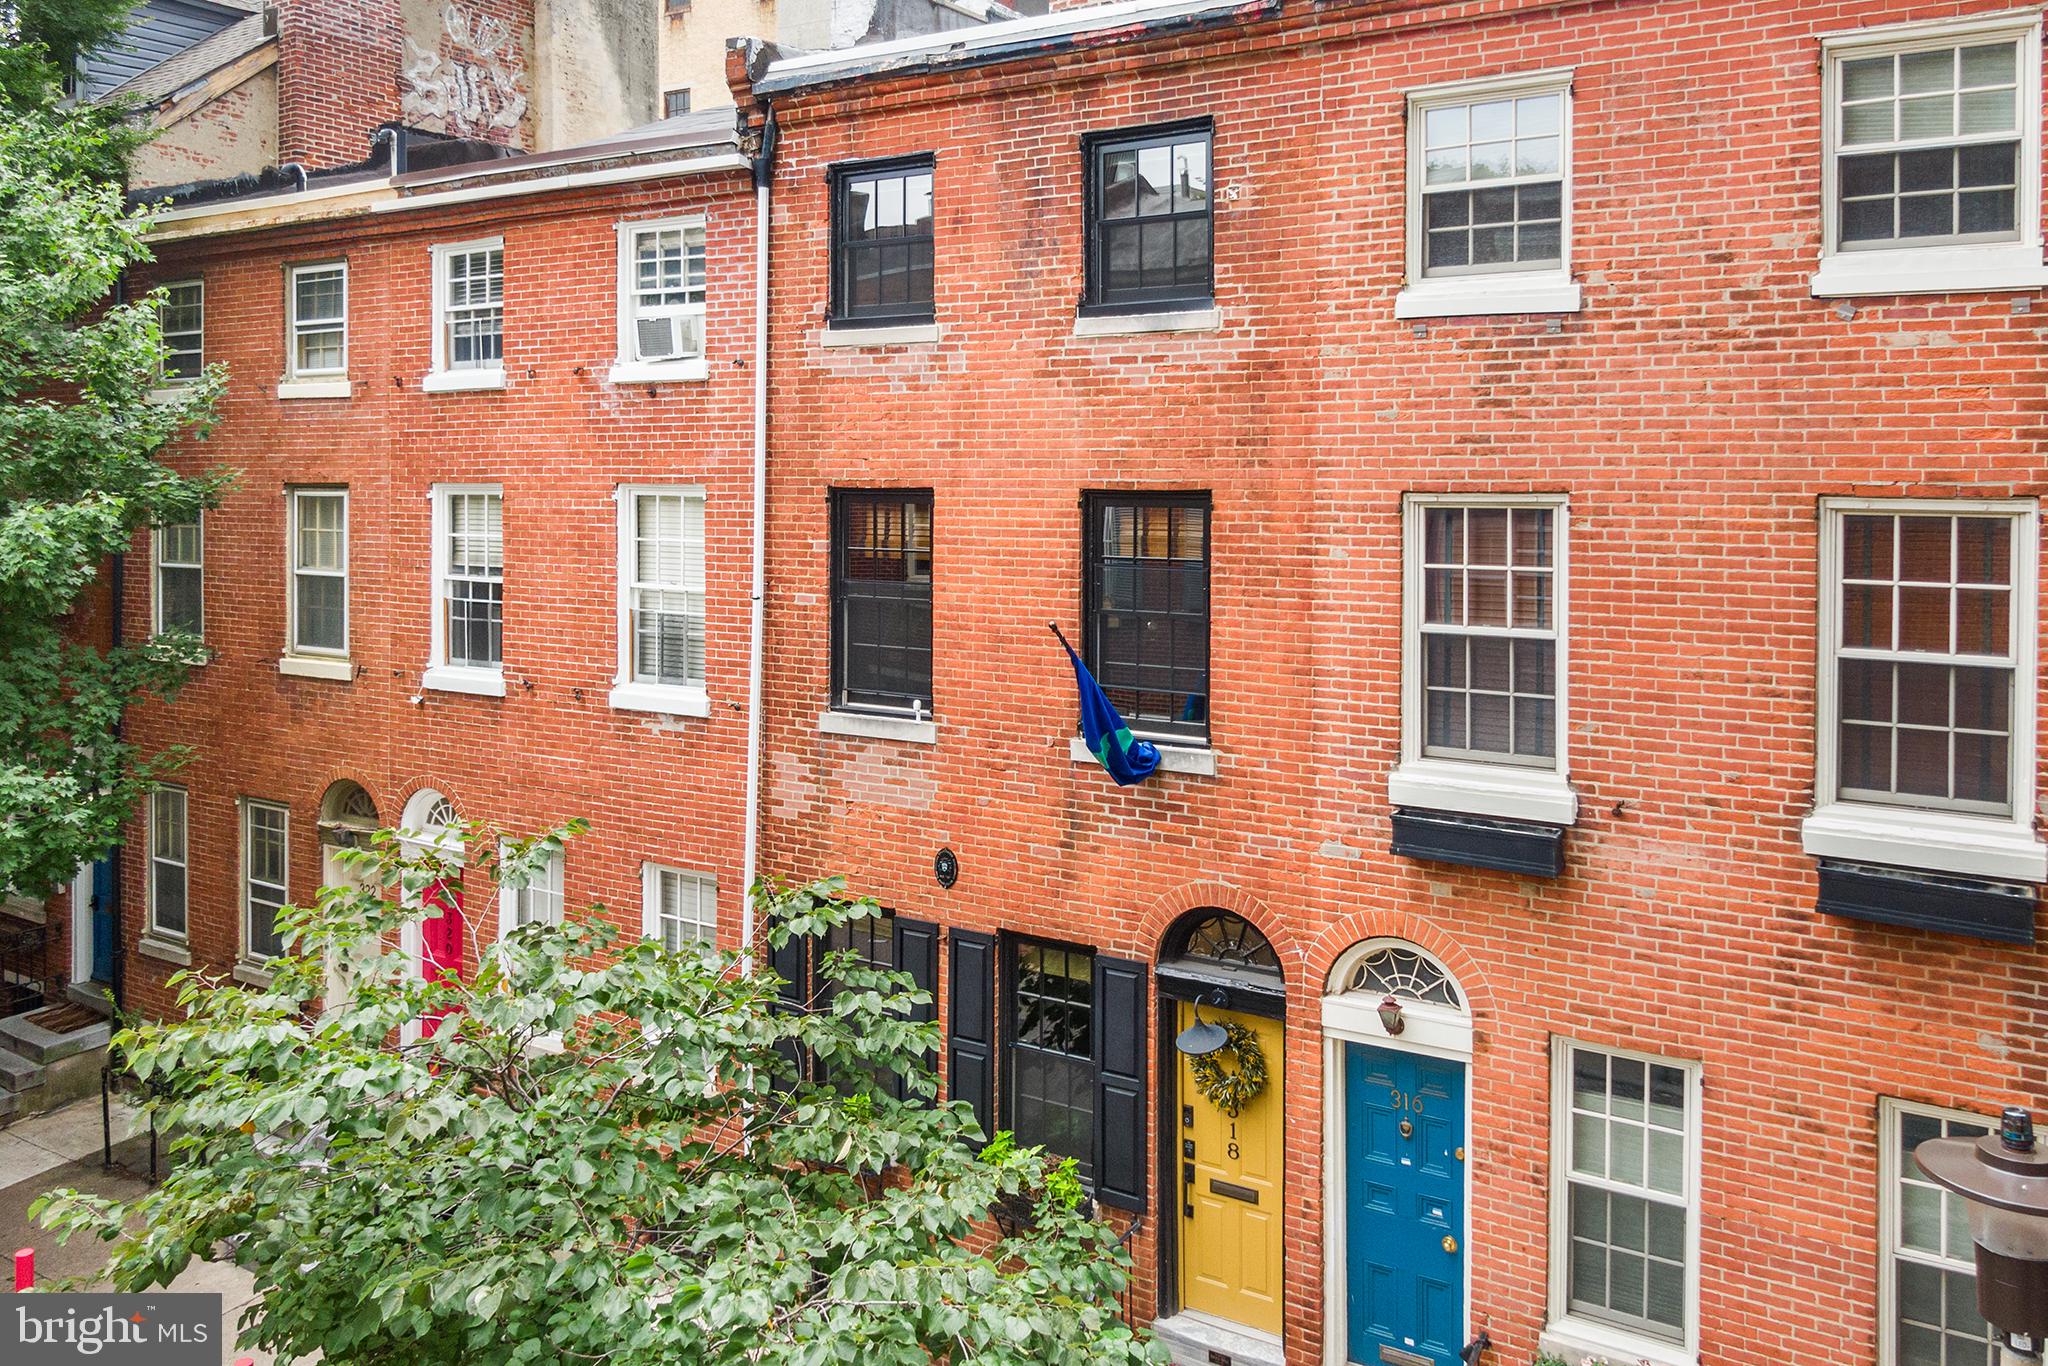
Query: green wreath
1230	1092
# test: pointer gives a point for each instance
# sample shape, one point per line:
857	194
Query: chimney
337	77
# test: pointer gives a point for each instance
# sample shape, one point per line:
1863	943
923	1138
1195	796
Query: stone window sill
1174	756
665	699
875	726
1931	270
1466	296
1934	841
1576	1341
1500	791
658	372
1143	324
315	388
456	678
337	670
252	972
461	381
174	951
853	334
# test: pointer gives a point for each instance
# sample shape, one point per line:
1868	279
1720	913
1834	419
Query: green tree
81	436
604	1152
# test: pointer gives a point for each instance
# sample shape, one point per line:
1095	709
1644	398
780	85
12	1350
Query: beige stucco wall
234	134
693	44
596	72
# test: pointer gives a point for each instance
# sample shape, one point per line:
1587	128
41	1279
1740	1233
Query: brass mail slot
1235	1192
1394	1356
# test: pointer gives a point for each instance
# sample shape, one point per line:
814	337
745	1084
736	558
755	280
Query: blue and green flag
1123	755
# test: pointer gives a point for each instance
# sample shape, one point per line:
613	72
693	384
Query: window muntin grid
683	909
181	319
265	868
1150	220
668	292
474	580
1148	608
665	597
540	900
674	102
1493	184
1628	1165
1051	1050
872	939
1929	146
1931	1264
1489	633
1926	675
319	572
884	243
319	321
472	305
1405	973
882	590
168	860
180	550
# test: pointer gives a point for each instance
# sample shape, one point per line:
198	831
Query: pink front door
440	946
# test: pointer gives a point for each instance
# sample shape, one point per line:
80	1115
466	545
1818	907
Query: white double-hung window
1483	658
266	876
1927	1268
1625	1205
317	603
1932	164
1489	198
678	907
661	301
536	901
661	601
467	652
316	325
1925	756
181	318
168	859
179	551
469	317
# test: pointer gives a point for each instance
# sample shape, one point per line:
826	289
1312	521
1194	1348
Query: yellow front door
1230	1188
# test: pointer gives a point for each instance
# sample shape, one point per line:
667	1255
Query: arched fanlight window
1228	939
429	819
347	806
1405	973
441	815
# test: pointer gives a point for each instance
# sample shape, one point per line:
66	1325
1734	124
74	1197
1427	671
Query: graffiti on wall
471	83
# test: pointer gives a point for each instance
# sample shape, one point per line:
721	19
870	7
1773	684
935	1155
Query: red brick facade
1693	414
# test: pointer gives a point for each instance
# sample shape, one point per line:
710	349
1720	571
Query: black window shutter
792	963
917	953
971	1026
1122	1004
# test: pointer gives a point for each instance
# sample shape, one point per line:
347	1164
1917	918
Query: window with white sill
1489	202
469	586
181	318
538	901
318	298
1932	161
266	868
469	308
1624	1239
168	860
1927	1274
661	597
178	550
679	907
318	608
661	297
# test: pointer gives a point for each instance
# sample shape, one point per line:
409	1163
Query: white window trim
508	895
168	385
293	651
1904	836
440	379
156	581
291	326
1572	1337
666	699
1889	1111
155	930
626	369
249	956
1934	269
1469	786
440	675
1548	290
650	898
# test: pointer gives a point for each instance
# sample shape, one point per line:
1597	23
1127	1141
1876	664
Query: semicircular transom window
440	815
346	803
1404	973
1230	939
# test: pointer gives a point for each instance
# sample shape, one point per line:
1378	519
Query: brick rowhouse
1689	402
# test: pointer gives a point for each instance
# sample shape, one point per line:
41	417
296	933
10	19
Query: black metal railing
26	979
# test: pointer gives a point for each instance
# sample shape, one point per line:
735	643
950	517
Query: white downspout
750	858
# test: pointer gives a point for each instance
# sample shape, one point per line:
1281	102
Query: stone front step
18	1073
51	1057
1200	1340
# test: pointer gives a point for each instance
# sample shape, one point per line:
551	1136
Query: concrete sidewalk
63	1148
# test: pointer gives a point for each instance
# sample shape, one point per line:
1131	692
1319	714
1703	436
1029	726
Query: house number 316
1404	1101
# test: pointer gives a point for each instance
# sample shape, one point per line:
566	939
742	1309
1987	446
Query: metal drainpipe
764	172
118	598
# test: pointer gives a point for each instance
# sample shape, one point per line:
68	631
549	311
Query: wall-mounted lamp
1391	1018
1203	1037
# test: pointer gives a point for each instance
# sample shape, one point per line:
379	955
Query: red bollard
24	1269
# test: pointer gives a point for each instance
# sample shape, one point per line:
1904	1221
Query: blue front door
1404	1207
102	920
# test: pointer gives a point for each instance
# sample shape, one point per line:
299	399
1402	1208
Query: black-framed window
882	600
1147	608
1150	231
872	939
882	242
1049	1050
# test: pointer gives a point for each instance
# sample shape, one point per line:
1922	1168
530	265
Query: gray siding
157	30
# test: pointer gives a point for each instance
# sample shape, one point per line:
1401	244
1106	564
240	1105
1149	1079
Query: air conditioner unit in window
669	334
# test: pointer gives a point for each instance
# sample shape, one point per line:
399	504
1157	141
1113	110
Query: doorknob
1450	1243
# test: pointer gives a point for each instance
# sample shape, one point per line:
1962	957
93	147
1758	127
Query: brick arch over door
1157	920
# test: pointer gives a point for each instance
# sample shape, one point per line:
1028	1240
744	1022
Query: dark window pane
1149	227
883	249
1051	1042
1148	628
882	599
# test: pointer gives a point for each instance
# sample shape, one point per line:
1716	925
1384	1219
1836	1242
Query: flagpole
1054	627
